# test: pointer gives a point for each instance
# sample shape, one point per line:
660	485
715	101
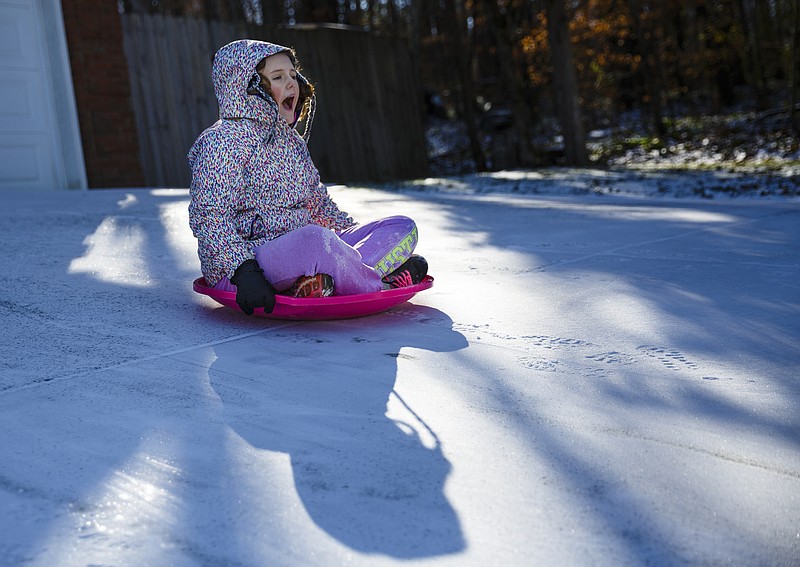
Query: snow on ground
709	184
597	377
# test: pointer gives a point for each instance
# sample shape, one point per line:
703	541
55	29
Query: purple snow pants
356	258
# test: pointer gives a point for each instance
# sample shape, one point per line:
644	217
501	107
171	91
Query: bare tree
565	83
651	70
455	23
794	70
753	65
523	123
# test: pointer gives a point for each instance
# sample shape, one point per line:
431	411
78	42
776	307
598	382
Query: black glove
252	288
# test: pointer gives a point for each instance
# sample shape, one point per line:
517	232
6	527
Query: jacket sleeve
217	172
326	213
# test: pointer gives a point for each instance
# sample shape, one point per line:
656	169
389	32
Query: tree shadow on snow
93	281
720	284
319	393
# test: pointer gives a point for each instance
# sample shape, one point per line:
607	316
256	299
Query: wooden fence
368	125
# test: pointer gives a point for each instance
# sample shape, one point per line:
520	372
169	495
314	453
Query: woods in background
516	70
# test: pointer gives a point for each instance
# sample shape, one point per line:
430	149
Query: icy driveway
592	380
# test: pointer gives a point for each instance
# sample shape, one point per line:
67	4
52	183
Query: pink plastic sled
334	307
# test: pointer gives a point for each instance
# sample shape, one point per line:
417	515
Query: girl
263	221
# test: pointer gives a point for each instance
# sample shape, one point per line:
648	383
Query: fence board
369	114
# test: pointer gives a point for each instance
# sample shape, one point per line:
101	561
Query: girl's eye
281	76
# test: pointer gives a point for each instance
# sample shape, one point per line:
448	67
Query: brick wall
102	93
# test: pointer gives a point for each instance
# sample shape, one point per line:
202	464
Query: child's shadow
319	392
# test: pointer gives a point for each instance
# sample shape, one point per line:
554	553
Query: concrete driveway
591	381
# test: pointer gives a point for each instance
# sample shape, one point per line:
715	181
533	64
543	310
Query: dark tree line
524	65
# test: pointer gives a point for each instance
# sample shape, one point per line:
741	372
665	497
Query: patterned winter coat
252	175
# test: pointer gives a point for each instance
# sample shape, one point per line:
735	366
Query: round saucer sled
321	308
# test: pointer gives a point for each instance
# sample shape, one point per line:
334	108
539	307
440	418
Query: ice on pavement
604	378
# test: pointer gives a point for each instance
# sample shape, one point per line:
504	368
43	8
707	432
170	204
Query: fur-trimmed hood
234	67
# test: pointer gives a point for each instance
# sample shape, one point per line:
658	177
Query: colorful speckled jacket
252	175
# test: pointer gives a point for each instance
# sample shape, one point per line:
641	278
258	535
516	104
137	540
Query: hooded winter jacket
252	175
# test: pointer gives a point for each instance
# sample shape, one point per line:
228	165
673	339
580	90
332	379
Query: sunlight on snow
175	220
409	422
261	493
127	504
623	309
650	214
115	255
621	212
129	200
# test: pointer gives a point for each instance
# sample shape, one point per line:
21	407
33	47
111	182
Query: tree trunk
273	12
523	121
648	72
455	25
415	32
794	77
754	70
566	83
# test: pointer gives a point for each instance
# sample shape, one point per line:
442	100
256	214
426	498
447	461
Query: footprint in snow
671	358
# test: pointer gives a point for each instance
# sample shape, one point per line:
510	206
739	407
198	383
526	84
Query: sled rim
322	308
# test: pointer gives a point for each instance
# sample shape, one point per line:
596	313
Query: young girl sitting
264	222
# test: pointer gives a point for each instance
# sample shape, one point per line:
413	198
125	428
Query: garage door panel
23	102
18	38
25	162
30	151
39	136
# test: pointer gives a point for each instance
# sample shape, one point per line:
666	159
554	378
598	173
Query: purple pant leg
385	243
313	250
356	258
224	285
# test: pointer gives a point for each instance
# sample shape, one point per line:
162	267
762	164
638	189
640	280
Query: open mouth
288	103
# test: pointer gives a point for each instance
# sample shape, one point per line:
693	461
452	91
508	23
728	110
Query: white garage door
38	132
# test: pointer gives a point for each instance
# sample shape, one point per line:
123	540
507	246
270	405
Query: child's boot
410	272
318	285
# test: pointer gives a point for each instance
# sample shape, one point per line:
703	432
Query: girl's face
281	78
